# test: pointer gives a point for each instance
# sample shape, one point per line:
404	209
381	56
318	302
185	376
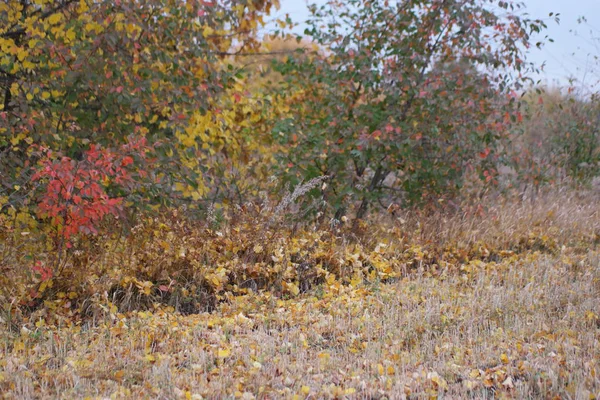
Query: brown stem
378	177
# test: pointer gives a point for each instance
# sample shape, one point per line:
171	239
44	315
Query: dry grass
524	328
562	213
524	324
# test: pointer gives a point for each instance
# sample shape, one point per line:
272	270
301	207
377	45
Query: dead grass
561	213
522	324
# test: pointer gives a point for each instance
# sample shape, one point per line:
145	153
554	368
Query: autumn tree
106	102
384	113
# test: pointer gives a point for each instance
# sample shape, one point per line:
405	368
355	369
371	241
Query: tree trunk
378	177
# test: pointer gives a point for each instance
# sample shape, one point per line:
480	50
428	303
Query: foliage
120	120
163	90
193	266
78	76
560	132
403	98
74	199
560	136
457	305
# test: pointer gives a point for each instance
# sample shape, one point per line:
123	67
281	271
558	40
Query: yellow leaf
223	353
293	288
71	35
207	31
119	374
438	381
504	358
19	346
22	54
470	385
590	316
305	390
55	18
28	64
83	7
324	356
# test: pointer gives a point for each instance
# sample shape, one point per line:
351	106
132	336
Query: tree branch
18	32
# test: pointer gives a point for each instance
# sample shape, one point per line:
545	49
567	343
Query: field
498	305
365	199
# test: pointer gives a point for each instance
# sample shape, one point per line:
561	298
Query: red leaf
126	161
45	273
483	155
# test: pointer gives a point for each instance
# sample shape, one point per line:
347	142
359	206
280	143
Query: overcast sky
572	52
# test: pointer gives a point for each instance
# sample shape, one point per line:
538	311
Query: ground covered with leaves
504	305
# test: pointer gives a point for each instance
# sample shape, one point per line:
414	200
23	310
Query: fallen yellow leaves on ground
449	306
519	328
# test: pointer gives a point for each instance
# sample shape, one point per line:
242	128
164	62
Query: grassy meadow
217	200
495	304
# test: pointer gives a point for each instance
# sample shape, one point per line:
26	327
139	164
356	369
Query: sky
570	55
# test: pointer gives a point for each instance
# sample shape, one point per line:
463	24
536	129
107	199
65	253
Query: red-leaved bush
75	198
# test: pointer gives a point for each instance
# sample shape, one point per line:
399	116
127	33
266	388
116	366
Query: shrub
403	98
